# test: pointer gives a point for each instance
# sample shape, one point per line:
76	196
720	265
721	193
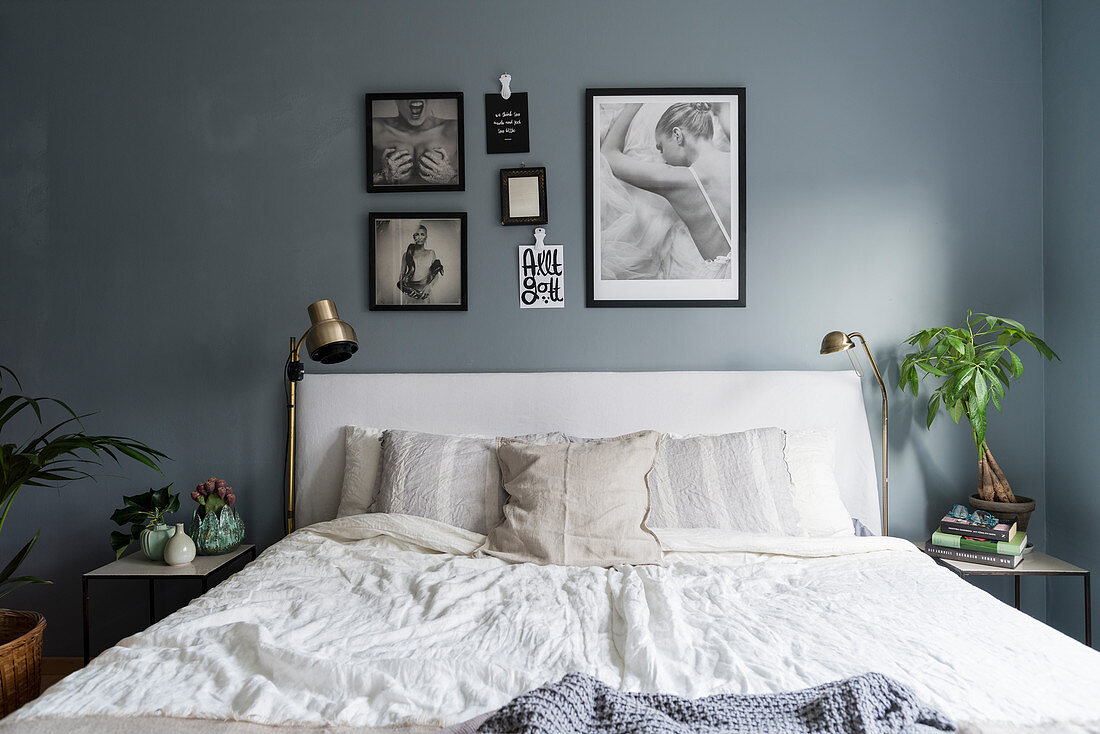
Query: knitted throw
867	704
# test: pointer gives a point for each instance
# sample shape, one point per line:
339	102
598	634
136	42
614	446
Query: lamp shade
836	341
330	339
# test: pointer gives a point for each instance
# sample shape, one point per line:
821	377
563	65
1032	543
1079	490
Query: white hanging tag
505	82
541	273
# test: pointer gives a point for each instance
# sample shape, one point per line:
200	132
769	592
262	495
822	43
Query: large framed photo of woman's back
417	261
415	142
666	197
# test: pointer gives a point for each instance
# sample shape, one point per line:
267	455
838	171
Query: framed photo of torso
666	197
415	142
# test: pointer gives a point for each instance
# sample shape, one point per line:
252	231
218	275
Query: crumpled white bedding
380	620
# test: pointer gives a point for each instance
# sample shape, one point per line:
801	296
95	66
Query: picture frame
523	196
665	197
417	261
415	142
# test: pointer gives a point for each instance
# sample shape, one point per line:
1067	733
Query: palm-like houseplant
57	455
975	364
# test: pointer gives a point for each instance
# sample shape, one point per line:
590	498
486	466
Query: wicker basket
20	658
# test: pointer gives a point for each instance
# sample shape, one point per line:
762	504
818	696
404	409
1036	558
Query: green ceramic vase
153	540
217	533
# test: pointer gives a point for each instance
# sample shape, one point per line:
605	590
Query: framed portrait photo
666	197
523	196
417	261
415	142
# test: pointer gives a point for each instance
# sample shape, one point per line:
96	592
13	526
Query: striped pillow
732	481
453	479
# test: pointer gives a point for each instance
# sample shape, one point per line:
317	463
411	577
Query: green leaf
1017	364
981	389
933	410
160	497
13	564
127	515
19	582
976	416
956	411
995	398
119	542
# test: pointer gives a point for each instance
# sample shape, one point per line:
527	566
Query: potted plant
216	527
145	514
51	458
974	364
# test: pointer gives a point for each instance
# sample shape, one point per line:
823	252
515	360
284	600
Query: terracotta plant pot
1009	512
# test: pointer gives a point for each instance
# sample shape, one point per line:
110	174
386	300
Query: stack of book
963	540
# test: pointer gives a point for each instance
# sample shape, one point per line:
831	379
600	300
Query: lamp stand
885	435
294	373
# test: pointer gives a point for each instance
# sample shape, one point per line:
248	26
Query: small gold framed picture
523	196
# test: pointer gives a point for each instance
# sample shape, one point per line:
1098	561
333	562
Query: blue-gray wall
1071	119
179	180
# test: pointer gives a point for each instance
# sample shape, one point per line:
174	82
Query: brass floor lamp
328	340
838	341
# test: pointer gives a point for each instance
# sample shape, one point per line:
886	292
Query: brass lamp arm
885	434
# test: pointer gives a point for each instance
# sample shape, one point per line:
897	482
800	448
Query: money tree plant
974	364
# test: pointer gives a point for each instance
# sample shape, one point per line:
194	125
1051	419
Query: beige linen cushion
576	504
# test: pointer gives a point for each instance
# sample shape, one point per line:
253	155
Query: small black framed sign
417	261
523	196
666	197
507	129
415	142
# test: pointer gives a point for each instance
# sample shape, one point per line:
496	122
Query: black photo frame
392	241
416	141
516	204
669	170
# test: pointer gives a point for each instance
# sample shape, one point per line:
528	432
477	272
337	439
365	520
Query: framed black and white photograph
666	197
417	261
523	196
415	142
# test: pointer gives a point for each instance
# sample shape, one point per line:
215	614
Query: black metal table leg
1088	609
152	603
87	647
1016	584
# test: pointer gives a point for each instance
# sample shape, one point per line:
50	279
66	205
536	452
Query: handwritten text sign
506	124
541	276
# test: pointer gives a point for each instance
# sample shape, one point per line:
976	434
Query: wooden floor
54	669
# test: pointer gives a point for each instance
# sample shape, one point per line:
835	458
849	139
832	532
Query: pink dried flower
221	492
211	485
219	484
196	495
230	499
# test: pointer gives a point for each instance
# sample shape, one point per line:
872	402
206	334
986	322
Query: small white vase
180	549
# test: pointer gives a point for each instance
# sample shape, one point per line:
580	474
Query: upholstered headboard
582	404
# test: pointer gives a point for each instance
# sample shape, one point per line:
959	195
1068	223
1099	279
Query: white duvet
380	620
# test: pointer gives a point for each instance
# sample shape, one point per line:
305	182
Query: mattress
381	623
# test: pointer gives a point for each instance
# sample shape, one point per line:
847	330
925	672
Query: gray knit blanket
867	704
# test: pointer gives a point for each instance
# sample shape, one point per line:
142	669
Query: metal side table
1034	564
137	567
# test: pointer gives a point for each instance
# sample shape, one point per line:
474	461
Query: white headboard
582	404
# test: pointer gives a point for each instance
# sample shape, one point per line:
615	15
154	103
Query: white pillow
452	479
362	469
730	481
811	460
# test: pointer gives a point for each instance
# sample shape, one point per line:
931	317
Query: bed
384	622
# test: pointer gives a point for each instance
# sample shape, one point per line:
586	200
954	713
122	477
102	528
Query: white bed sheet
379	620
